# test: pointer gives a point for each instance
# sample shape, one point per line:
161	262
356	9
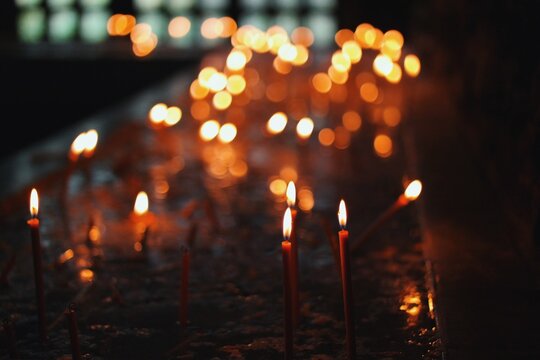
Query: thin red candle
33	224
143	219
287	299
71	318
184	287
291	200
346	282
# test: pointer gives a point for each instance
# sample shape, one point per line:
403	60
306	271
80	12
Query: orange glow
239	169
174	114
197	91
144	48
276	123
217	82
393	39
291	194
321	82
141	203
338	93
394	76
342	214
302	36
200	109
382	65
302	55
65	256
369	92
158	113
34	203
383	145
411	303
236	60
412	65
306	201
391	116
141	33
77	146
209	130
304	128
287	52
277	91
91	140
352	50
343	138
336	76
227	133
228	26
86	275
287	224
179	27
362	36
342	36
222	100
277	37
94	234
205	74
120	25
236	84
282	67
288	173
341	61
413	190
277	186
326	137
352	121
211	28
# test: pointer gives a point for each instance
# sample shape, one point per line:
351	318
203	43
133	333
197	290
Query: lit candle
33	224
71	318
184	286
291	201
346	282
140	211
411	193
286	254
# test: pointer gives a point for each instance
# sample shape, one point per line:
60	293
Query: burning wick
140	209
346	282
33	224
287	299
184	287
411	193
71	318
291	201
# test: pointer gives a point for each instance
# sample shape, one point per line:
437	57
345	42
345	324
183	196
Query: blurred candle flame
291	194
141	203
287	224
34	203
342	214
413	190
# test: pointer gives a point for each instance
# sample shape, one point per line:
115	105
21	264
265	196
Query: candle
71	318
411	193
142	218
346	282
287	300
33	224
291	201
184	286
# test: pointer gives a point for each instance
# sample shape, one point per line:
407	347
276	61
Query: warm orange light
78	145
65	256
34	203
302	36
287	52
342	214
352	50
287	224
288	173
143	48
360	34
327	137
141	33
383	145
205	74
91	140
306	201
222	100
281	66
278	186
393	39
391	116
304	128
337	77
369	92
382	65
158	113
229	26
120	25
86	275
302	55
321	82
217	82
174	114
200	110
394	76
236	60
343	138
413	190
141	203
341	61
211	28
197	90
351	120
276	123
236	84
291	194
179	27
342	36
209	130
227	133
412	65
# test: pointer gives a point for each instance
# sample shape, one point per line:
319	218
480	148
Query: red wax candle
184	287
348	304
291	200
287	299
71	318
33	224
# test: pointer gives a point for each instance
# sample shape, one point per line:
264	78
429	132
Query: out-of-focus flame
77	146
174	114
179	27
236	84
412	65
91	140
276	123
304	128
342	214
222	100
209	130
383	145
287	52
65	256
158	113
291	194
236	60
141	203
217	81
227	133
34	203
382	65
413	190
341	61
352	50
287	224
86	275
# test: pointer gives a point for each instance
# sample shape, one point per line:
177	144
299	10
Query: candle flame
287	224
91	142
78	145
342	214
141	203
291	194
413	190
34	203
